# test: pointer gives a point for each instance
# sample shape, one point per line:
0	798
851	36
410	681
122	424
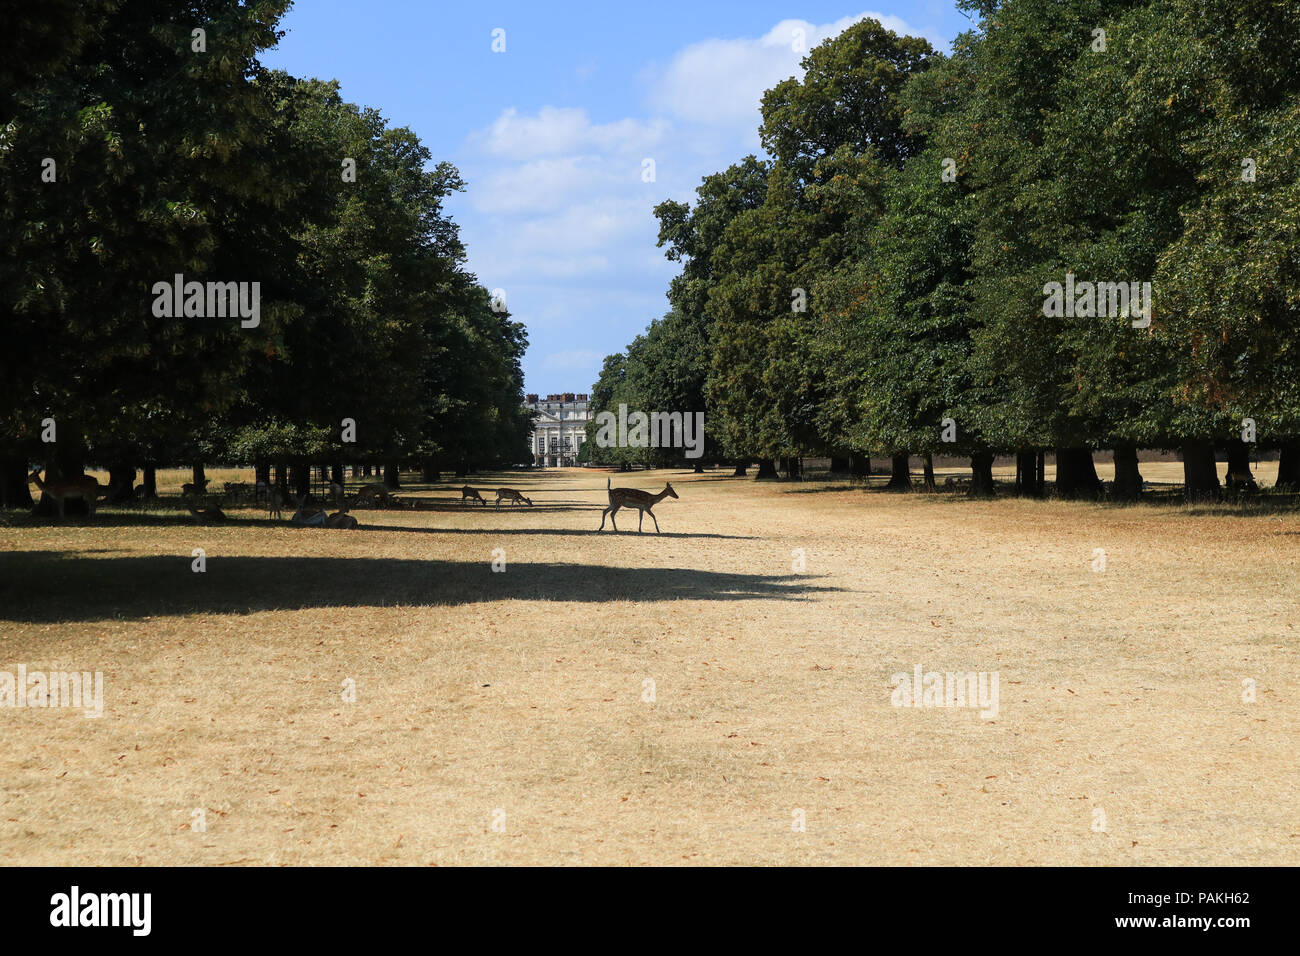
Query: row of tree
879	282
143	140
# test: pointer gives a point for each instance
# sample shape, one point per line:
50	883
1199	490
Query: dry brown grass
522	690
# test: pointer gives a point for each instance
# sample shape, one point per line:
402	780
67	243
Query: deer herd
89	490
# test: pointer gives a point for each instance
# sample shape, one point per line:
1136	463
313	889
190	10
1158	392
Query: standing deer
274	501
643	501
509	494
468	493
86	488
190	488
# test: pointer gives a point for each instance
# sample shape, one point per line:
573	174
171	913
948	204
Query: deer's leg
640	519
656	521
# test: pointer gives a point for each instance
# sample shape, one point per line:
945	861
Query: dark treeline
134	149
881	284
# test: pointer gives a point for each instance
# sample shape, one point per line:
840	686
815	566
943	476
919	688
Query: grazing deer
643	501
86	488
510	495
468	493
308	517
274	501
375	490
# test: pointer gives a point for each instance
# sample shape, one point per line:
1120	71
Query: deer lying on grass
206	515
643	501
468	493
341	518
85	487
509	494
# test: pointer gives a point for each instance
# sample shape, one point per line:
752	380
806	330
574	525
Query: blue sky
551	135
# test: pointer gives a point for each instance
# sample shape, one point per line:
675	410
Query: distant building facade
559	429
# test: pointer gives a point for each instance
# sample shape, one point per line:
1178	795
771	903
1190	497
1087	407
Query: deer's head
668	487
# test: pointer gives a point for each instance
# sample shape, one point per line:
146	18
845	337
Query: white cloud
560	216
566	130
722	81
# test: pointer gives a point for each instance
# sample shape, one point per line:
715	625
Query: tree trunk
792	466
1288	466
860	465
429	472
365	471
1027	485
839	466
262	472
1128	480
121	482
199	477
742	469
149	482
1076	475
1200	473
927	470
981	475
393	475
766	468
1040	479
300	478
15	491
900	473
1239	474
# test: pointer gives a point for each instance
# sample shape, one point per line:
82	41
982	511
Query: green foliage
923	202
173	161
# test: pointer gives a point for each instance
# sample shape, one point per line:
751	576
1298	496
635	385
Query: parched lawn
625	698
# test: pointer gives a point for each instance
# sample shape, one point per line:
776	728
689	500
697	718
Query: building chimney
530	399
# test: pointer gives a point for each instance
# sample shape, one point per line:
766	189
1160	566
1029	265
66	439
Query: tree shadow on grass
54	586
366	518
